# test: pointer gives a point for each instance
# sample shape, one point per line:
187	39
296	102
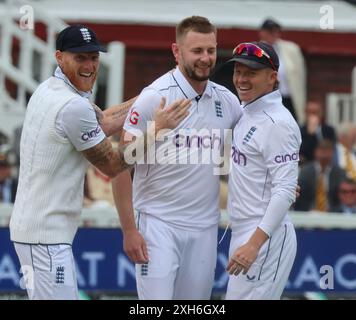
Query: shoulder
280	124
224	93
279	115
339	172
218	88
77	108
158	88
163	83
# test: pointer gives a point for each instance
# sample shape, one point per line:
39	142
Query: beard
194	76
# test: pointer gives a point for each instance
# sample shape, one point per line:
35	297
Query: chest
208	112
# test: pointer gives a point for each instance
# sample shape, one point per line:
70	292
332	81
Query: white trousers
269	274
181	263
48	271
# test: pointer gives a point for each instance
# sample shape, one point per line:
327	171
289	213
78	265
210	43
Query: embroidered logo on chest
218	109
248	136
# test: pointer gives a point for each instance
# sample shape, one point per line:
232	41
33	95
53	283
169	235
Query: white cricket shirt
186	195
264	171
77	119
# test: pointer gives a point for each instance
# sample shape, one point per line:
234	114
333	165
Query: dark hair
270	25
194	23
325	144
348	180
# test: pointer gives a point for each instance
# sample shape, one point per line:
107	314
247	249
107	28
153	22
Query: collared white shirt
265	156
186	195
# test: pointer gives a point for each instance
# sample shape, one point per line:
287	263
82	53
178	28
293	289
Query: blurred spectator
319	180
347	197
8	184
314	130
344	156
99	188
292	69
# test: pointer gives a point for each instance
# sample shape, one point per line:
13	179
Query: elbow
287	193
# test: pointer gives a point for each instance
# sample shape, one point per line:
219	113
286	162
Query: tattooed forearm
100	154
120	110
114	117
106	159
112	162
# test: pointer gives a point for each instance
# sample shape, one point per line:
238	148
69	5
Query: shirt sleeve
281	154
77	121
142	111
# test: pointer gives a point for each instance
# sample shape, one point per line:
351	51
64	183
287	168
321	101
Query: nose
90	65
241	78
205	57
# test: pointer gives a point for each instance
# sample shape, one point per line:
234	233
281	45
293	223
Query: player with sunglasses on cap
263	179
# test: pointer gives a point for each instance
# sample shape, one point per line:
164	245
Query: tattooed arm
105	158
111	163
112	119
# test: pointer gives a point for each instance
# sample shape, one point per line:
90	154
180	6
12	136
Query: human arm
134	244
112	119
111	163
280	156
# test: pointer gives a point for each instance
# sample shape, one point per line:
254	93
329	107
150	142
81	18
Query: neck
198	85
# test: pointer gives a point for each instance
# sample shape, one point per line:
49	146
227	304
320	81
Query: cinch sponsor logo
196	141
286	157
134	117
93	133
238	157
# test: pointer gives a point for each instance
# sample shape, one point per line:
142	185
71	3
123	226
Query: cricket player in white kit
177	198
263	179
61	135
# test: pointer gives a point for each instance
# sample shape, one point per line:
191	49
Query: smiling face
252	84
80	68
195	53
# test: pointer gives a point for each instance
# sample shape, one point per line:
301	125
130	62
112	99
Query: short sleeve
79	123
142	111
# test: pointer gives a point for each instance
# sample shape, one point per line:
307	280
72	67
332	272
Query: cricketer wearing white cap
263	179
178	201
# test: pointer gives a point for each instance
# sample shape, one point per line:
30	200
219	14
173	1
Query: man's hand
135	246
170	117
298	191
242	259
246	255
